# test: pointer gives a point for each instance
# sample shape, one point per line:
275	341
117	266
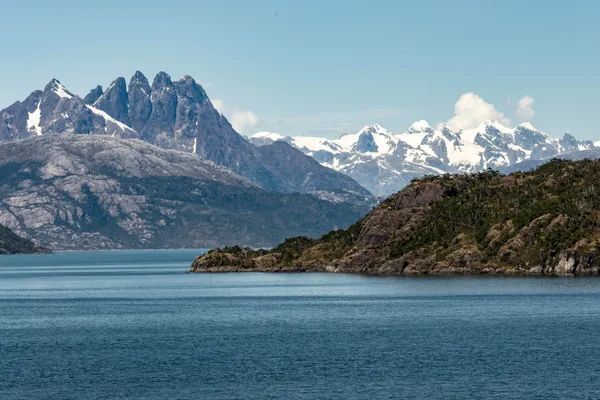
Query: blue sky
328	66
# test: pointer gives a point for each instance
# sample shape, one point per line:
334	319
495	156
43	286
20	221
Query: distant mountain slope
542	222
99	192
304	173
384	162
173	115
11	243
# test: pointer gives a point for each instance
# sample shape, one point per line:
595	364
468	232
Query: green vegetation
291	248
545	221
562	191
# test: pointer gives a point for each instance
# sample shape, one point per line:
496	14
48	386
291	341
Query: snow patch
414	139
33	122
528	126
61	91
108	118
315	144
419	126
268	135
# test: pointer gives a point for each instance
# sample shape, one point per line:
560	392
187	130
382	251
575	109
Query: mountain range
174	115
384	162
156	166
142	165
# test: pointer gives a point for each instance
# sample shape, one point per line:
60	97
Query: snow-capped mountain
56	110
175	115
384	162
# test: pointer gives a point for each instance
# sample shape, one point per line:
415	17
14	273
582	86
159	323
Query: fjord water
134	325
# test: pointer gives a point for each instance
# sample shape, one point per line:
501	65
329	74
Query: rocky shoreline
565	267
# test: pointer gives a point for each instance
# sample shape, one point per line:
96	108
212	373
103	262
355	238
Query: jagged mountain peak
528	126
419	126
52	84
117	83
187	78
115	101
489	125
375	128
93	95
57	88
162	79
139	76
191	89
140	103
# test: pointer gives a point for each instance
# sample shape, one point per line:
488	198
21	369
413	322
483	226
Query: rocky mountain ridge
385	162
56	110
541	222
82	192
174	115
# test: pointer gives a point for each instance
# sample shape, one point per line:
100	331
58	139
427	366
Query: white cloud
471	110
524	110
241	120
219	105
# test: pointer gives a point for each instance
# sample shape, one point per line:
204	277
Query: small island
541	222
11	243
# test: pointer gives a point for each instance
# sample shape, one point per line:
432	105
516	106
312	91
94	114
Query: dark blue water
134	325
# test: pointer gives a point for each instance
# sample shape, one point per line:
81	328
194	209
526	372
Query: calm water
134	325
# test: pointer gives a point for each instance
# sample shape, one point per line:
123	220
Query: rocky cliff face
93	95
540	222
140	101
115	101
98	192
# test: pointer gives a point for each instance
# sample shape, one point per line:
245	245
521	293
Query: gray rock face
303	173
191	102
99	192
366	143
159	128
569	143
140	102
93	95
115	101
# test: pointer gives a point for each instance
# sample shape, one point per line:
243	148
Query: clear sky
323	67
